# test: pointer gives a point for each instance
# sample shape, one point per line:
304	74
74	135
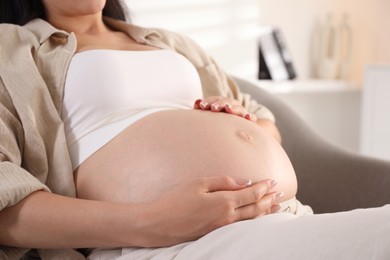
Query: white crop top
107	90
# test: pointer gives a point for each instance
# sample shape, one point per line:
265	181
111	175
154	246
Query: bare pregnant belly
175	146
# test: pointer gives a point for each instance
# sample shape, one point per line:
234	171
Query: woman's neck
87	25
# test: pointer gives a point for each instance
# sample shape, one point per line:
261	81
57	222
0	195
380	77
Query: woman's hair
22	11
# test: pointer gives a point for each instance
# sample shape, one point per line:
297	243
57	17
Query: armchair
330	178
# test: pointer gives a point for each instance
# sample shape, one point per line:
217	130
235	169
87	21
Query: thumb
224	183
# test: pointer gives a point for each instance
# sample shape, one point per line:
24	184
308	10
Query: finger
222	183
275	208
217	103
236	110
197	103
267	205
221	103
206	103
253	194
240	111
202	104
251	117
216	107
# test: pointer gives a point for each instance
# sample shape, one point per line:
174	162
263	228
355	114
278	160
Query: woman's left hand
232	106
224	104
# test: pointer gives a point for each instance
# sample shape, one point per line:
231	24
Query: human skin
46	220
171	147
96	181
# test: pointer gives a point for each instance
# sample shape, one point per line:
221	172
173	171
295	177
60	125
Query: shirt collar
45	30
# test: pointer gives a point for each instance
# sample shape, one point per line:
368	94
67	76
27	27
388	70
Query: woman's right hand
184	213
196	208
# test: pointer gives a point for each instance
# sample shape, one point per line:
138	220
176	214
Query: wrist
135	225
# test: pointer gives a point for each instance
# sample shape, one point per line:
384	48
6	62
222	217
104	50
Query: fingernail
244	182
275	208
279	195
203	104
248	116
197	102
215	106
272	183
228	107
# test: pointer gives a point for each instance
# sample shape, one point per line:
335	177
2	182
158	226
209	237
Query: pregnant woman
114	135
133	134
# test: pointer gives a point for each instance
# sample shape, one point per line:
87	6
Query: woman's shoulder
15	36
144	33
7	29
165	38
154	34
184	45
174	37
16	39
35	31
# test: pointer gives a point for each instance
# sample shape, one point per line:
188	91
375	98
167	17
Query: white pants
358	234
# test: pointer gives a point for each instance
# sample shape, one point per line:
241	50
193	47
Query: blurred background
229	30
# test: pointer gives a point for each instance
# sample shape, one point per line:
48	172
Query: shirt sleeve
15	182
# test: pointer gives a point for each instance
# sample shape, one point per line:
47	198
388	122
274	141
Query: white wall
368	19
228	28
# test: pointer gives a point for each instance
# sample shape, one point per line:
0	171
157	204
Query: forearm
45	220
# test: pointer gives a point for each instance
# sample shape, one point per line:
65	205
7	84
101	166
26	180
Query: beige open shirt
34	60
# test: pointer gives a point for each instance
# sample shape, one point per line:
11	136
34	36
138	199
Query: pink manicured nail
244	182
215	106
203	104
272	183
279	195
275	208
197	102
248	116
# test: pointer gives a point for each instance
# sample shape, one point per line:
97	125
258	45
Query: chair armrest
330	178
